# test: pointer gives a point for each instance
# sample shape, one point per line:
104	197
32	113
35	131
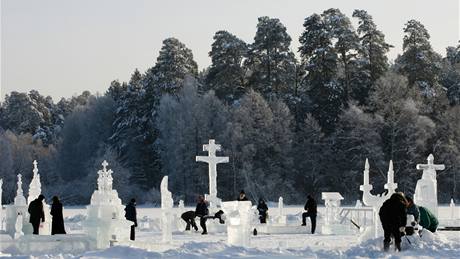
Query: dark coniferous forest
292	122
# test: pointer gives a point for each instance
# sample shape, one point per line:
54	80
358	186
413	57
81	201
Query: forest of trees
292	124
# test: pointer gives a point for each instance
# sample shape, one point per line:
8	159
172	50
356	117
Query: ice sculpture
212	161
35	189
166	211
238	215
426	190
105	220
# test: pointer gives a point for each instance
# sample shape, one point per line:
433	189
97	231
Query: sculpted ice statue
20	199
166	211
426	191
212	161
105	220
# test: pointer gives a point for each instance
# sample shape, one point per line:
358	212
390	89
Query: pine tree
319	59
372	61
419	62
346	45
270	62
226	74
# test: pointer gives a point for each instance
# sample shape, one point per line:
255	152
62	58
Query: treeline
290	126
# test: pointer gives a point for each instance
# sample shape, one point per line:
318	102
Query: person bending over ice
393	217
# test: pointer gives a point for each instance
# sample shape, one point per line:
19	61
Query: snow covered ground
193	245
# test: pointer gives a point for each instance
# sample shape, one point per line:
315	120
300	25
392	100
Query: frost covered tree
450	75
419	62
405	131
321	84
372	61
226	75
186	122
270	62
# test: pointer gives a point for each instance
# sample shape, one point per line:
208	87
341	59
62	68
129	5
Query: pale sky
63	47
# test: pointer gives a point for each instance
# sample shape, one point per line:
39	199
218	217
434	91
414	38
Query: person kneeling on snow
393	217
427	219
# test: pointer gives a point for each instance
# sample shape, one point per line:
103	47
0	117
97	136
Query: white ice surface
214	245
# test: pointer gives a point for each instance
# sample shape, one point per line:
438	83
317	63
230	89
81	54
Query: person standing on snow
263	211
36	212
131	215
393	216
57	224
311	211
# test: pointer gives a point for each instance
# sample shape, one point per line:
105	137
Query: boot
398	247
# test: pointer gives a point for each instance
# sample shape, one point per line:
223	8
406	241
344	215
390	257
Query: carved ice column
166	211
238	215
19	207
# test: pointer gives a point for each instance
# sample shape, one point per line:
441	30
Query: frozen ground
194	245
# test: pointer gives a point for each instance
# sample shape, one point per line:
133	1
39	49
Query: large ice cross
429	169
212	161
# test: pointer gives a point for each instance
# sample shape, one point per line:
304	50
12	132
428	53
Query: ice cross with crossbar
212	161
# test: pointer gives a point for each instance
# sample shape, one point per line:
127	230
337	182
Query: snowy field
445	244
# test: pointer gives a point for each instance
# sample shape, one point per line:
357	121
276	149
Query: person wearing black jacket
189	218
311	211
393	216
202	211
263	211
36	212
57	224
131	215
242	196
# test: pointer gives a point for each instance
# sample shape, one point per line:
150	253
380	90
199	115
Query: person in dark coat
202	211
131	215
428	220
393	216
263	211
189	218
57	224
36	212
311	211
242	196
412	209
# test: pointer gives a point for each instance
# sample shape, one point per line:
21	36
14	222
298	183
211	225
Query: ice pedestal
332	221
426	190
238	215
105	220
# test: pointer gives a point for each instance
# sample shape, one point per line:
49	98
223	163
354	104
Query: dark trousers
312	219
36	226
389	231
203	224
189	218
263	218
132	235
